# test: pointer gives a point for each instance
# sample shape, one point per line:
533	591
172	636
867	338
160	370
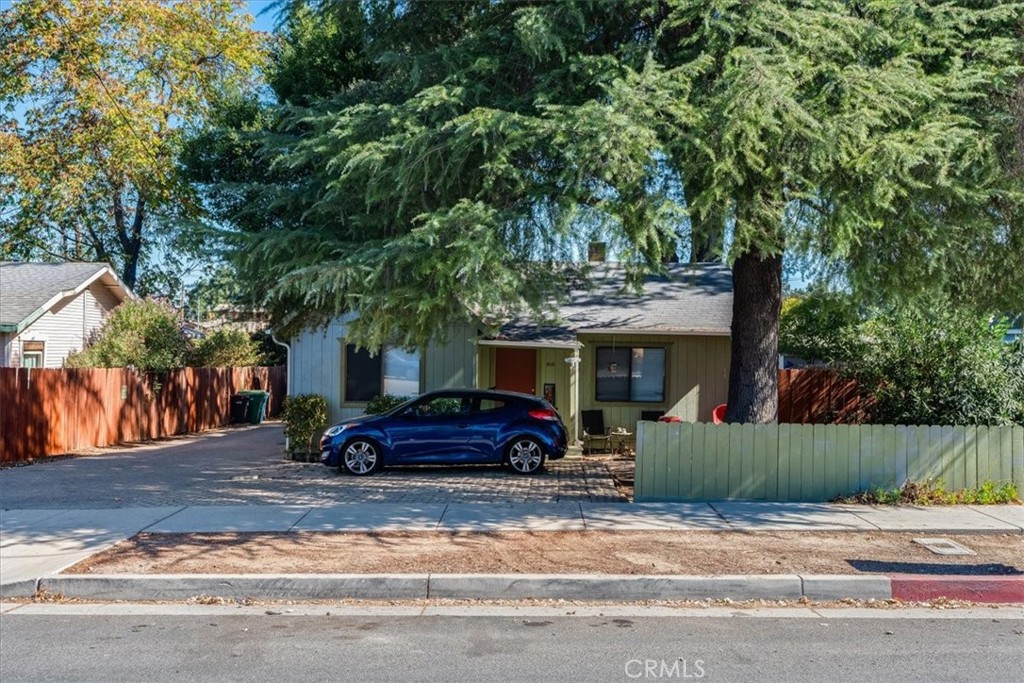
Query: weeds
934	492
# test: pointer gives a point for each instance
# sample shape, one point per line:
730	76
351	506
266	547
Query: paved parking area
244	466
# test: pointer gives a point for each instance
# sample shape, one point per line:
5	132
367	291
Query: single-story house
666	350
49	310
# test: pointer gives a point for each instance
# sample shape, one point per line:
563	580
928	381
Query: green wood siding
790	462
697	376
452	364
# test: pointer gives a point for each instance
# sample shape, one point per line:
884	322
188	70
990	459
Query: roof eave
118	287
695	332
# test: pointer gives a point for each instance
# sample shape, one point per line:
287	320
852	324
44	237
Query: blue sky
264	19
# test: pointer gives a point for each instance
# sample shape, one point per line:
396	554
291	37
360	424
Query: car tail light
543	414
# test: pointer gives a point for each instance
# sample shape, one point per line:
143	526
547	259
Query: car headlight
335	430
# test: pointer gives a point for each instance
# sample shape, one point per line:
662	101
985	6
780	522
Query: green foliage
225	348
490	140
939	366
140	333
305	416
820	326
319	51
382	404
271	353
94	98
934	492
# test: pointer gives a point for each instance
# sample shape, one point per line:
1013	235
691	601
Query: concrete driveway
244	466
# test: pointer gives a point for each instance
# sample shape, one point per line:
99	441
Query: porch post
574	369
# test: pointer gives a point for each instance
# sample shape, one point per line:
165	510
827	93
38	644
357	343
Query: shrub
305	416
382	404
140	333
225	348
820	326
940	366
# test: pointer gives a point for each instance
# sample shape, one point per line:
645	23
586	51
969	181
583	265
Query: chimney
597	252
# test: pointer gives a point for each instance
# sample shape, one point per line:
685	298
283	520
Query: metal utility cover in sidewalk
944	546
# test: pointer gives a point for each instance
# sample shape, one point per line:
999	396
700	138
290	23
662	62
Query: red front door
515	370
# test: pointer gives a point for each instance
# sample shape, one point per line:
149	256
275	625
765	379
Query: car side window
446	406
489	404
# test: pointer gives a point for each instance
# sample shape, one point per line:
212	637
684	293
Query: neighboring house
48	310
664	351
1014	332
230	316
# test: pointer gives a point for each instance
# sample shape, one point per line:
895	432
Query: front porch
620	378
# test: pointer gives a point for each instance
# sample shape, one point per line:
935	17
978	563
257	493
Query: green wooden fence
795	462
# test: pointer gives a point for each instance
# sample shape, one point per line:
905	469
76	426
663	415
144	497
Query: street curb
597	587
841	586
614	587
609	587
238	586
19	589
1002	589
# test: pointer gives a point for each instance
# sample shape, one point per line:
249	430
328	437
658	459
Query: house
49	310
1013	333
666	350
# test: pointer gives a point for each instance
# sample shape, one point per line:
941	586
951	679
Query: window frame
629	375
380	359
37	350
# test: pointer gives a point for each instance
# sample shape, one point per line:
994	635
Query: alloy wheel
525	456
360	457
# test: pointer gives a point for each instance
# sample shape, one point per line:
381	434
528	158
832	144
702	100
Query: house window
395	372
32	354
635	375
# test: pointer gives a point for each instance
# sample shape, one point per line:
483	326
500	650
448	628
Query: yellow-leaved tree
95	97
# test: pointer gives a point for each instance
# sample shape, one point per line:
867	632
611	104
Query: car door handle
463	426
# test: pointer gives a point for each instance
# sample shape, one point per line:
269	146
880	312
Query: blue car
467	427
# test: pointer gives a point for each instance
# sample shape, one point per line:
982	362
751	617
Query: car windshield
401	407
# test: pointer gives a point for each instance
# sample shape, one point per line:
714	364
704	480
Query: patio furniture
650	415
594	430
619	439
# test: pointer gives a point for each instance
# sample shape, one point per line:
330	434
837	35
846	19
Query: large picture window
394	371
630	374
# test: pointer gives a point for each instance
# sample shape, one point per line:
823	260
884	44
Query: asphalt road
254	646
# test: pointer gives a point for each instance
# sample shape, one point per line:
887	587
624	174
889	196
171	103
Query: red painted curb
914	587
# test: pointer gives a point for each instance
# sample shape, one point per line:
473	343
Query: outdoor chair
594	431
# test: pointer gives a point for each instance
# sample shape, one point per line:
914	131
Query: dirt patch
550	552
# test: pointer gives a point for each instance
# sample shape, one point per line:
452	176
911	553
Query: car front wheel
361	457
525	456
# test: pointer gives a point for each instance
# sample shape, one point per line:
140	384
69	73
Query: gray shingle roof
27	287
689	299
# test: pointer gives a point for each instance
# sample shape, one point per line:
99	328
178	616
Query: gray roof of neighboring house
27	290
688	299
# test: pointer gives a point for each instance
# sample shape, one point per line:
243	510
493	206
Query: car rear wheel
361	457
525	456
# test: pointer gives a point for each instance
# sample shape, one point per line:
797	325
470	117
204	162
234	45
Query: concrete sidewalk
38	543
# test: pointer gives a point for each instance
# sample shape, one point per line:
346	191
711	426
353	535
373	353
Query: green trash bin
257	405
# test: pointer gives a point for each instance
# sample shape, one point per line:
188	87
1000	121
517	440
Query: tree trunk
129	237
753	370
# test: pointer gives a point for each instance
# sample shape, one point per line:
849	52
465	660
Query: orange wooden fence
819	396
49	412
